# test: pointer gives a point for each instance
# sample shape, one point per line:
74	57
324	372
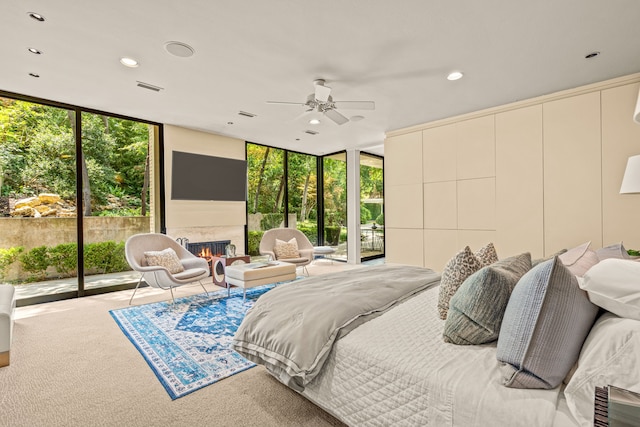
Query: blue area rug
188	344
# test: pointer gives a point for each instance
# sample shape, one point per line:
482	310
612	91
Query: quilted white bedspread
397	370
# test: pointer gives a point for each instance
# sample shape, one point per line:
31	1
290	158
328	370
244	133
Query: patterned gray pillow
487	254
461	266
546	321
476	310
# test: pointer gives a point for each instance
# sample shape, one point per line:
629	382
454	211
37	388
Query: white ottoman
258	273
7	306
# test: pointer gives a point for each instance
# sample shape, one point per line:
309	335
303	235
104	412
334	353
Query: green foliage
8	257
36	261
272	220
380	219
64	258
332	235
310	229
365	214
105	257
38	153
254	242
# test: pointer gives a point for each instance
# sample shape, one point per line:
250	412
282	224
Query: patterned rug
187	345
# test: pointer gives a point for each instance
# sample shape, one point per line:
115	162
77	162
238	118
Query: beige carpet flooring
71	365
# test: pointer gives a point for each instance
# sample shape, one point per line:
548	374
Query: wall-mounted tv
200	177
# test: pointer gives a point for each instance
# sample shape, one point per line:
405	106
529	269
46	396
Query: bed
391	366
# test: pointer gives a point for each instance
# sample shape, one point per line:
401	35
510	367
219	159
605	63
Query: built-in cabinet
536	176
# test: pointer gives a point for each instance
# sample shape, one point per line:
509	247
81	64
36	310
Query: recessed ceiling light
129	62
455	75
314	122
591	55
34	50
180	49
34	75
36	16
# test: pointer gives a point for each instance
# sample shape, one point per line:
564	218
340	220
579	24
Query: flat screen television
200	177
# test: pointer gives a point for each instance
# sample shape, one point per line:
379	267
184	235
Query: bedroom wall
538	175
203	220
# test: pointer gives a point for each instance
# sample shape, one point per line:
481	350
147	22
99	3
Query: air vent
244	113
311	132
149	86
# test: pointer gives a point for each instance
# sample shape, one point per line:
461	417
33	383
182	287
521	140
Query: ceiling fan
322	101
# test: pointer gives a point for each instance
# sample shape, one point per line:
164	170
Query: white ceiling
396	53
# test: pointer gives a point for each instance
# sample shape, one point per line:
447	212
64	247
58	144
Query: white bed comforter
396	370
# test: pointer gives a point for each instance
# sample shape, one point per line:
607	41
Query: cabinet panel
519	182
477	204
476	148
403	159
439	247
572	172
620	140
404	246
403	206
440	205
439	154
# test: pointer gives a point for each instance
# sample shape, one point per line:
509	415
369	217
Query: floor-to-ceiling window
334	168
302	194
371	206
69	179
266	187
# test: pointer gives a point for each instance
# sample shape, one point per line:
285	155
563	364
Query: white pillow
610	356
166	258
614	284
286	250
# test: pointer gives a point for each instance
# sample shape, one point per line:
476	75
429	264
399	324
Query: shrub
380	219
64	258
36	261
105	257
310	230
254	242
8	257
365	214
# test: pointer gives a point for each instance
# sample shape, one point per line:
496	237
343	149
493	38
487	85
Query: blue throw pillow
544	326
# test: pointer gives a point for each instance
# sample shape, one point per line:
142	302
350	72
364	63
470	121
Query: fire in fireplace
208	249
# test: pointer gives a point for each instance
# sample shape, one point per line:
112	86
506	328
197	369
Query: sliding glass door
335	203
53	243
371	206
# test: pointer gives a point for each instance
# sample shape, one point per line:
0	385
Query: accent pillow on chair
477	308
286	250
166	258
546	321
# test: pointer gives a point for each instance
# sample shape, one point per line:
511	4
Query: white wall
203	220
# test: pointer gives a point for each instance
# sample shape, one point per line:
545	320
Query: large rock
48	198
28	202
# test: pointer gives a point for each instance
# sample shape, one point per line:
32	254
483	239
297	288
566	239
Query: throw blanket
291	329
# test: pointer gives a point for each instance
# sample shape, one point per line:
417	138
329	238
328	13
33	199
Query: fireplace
208	249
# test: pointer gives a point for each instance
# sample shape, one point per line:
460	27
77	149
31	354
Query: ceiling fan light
314	121
454	75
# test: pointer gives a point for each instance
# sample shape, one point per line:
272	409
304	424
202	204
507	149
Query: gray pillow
546	321
476	309
617	250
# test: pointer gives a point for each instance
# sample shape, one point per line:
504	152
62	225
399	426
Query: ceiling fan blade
322	92
355	105
285	103
336	117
